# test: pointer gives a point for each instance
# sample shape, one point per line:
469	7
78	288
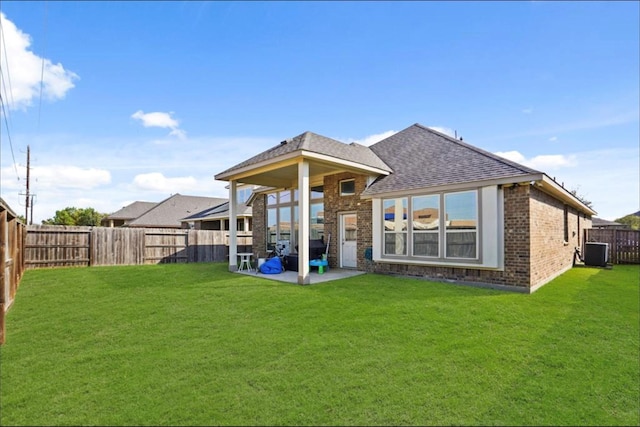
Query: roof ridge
479	150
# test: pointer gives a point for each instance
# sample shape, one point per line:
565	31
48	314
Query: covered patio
292	276
298	164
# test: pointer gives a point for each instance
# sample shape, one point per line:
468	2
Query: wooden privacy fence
68	246
624	245
12	236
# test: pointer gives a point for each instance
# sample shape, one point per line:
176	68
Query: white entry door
349	240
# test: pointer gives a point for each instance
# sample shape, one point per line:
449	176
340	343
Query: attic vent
284	142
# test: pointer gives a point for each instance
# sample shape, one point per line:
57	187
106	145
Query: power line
8	71
4	113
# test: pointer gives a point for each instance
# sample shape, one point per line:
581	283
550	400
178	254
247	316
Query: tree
75	216
633	221
581	197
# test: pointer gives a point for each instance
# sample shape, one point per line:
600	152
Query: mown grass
192	344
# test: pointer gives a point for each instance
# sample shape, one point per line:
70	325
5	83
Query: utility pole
31	220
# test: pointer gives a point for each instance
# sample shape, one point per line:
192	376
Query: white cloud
69	177
608	178
372	139
514	156
553	138
23	71
156	119
156	181
543	162
527	111
446	131
160	120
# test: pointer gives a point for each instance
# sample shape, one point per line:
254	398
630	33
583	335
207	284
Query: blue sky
126	101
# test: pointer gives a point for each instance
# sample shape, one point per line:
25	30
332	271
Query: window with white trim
425	212
395	226
348	187
443	226
461	219
283	216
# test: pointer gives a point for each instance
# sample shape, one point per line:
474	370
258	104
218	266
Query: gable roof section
170	211
314	144
132	211
219	212
601	222
421	158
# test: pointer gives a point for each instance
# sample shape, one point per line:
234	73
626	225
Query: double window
283	217
443	226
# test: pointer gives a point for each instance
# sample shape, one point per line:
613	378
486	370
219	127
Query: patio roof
278	166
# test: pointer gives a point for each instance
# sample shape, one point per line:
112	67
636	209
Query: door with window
349	240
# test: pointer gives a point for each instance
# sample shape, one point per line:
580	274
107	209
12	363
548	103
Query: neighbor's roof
601	222
169	212
219	212
312	142
131	211
421	157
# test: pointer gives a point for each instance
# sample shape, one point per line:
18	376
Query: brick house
418	203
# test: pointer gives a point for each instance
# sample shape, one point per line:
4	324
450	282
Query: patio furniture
320	263
245	261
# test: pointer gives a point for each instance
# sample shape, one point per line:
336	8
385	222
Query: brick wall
334	204
550	253
517	223
517	258
535	250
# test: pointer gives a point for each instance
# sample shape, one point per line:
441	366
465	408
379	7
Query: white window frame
283	205
400	236
446	232
353	193
489	232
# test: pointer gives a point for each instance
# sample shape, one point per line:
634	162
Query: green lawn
192	344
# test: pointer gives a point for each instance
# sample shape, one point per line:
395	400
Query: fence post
187	249
90	246
613	248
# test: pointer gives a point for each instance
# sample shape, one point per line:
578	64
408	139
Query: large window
282	208
395	226
243	194
425	211
461	213
443	225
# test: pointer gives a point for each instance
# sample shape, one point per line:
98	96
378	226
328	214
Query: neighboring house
603	223
217	218
128	213
417	203
170	212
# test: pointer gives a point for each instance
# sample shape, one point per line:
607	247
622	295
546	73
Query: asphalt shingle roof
220	211
421	157
133	210
169	212
312	142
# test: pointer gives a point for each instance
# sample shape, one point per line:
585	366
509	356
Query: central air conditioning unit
596	254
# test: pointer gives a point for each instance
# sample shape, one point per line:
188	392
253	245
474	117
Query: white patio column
233	227
304	223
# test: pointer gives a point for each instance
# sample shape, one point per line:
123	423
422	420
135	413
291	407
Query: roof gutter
550	186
